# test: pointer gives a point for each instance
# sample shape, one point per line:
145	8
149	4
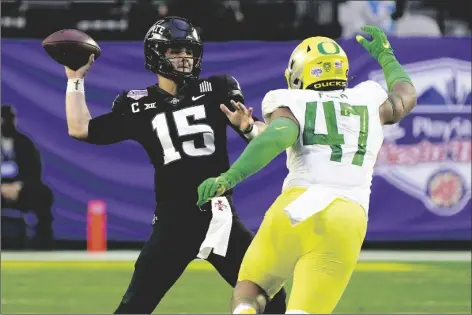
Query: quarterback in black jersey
181	123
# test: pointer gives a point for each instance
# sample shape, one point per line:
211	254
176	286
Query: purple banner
421	188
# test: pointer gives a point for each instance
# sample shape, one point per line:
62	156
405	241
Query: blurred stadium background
421	192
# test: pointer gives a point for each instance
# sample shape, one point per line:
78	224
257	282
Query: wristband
75	86
252	133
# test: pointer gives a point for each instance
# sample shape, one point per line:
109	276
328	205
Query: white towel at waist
217	237
313	200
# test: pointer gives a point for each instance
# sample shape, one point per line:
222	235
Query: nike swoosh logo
197	97
386	45
279	128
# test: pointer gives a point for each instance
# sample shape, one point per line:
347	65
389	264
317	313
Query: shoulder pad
228	86
279	95
122	103
275	99
218	78
368	84
374	90
225	80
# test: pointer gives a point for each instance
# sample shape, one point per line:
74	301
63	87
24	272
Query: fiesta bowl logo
445	189
428	154
442	81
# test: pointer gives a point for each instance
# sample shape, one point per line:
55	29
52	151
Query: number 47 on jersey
333	138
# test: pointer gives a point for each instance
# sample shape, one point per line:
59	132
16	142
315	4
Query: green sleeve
392	69
280	134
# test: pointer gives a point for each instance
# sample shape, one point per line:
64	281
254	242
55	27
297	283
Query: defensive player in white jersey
332	135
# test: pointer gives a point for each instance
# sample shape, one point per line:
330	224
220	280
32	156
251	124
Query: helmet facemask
173	49
175	59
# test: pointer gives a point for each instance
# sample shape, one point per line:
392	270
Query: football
71	48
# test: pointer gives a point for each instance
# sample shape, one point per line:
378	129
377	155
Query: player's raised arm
105	129
240	118
78	115
401	92
281	133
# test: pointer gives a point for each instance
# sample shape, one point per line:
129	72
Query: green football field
377	287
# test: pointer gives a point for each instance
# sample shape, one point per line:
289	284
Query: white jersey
340	137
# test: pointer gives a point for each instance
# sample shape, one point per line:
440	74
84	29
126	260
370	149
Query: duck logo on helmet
327	66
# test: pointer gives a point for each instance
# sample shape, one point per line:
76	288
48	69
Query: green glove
379	47
280	134
213	187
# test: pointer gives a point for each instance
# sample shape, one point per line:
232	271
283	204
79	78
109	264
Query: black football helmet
167	33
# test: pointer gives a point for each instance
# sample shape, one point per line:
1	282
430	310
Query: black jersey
184	136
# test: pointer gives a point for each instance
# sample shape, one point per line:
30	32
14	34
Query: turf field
77	284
